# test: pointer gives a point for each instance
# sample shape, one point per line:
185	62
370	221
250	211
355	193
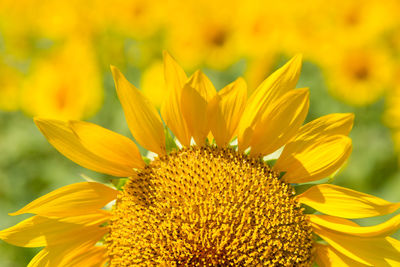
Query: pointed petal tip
351	116
165	54
115	71
197	73
40	120
298	57
241	80
36	118
168	59
305	92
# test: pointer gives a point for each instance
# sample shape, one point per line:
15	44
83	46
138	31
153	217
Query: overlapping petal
70	200
39	231
275	86
313	160
64	139
328	125
41	259
344	227
76	252
142	117
280	123
225	110
93	256
369	251
196	95
171	111
113	146
327	256
342	202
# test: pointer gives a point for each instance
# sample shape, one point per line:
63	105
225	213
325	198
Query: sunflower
353	76
57	89
216	200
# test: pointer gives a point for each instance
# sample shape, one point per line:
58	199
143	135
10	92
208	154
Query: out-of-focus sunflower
358	75
204	33
67	85
359	22
138	19
209	203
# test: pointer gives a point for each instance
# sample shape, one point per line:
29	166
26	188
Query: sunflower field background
55	57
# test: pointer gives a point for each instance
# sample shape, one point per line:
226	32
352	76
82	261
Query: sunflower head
208	206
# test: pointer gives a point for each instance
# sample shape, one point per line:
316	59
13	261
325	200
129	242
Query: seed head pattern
208	206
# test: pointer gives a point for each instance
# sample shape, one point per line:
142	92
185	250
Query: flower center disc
208	206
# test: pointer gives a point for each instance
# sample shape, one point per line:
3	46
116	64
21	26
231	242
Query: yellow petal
175	79
143	119
108	144
338	225
313	160
41	259
39	231
61	136
275	86
332	124
281	122
225	110
94	257
83	253
196	94
80	252
342	202
74	199
327	256
369	251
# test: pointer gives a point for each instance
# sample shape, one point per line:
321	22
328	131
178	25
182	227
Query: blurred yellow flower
217	34
138	18
67	85
209	203
361	21
358	76
197	39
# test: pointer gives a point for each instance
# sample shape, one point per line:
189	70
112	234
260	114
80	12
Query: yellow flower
358	75
211	203
57	88
138	19
204	33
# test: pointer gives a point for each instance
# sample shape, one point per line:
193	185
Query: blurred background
55	57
